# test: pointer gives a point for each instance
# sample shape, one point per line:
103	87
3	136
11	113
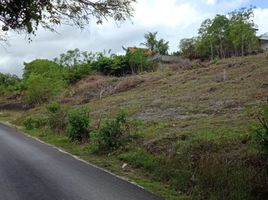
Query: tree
224	36
75	57
150	41
187	47
162	47
154	45
27	15
242	31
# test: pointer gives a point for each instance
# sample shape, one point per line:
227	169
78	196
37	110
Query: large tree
27	15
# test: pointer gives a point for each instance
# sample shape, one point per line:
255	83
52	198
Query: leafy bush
115	132
119	65
42	79
79	124
138	62
9	83
41	88
77	72
113	65
261	129
56	117
33	122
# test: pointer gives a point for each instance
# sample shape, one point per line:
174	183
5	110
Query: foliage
43	67
77	72
75	57
9	83
156	46
138	62
40	88
76	64
115	132
223	36
188	47
34	122
119	65
78	124
261	129
113	65
42	79
56	117
27	15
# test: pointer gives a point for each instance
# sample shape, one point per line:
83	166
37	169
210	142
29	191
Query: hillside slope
194	131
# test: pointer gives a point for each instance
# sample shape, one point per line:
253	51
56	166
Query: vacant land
194	137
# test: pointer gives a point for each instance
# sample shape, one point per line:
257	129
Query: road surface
31	170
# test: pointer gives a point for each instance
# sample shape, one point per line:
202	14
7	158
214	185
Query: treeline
42	79
223	36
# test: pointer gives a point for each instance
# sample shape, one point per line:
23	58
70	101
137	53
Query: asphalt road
31	170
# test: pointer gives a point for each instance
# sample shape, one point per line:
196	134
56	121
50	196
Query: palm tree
151	41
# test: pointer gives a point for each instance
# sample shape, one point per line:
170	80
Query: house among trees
264	41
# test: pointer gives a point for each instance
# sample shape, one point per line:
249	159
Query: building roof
147	52
264	37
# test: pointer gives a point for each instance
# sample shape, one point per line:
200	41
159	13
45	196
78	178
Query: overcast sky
172	19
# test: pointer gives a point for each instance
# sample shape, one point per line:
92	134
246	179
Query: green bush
56	117
34	122
41	88
9	83
138	62
78	124
42	80
261	129
115	132
77	72
119	65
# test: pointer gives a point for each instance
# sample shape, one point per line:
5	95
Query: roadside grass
194	130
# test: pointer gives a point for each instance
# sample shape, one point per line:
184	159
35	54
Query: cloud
172	19
260	18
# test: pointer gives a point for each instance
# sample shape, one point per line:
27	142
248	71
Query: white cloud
211	2
260	18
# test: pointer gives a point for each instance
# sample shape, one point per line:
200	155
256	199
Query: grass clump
56	117
261	129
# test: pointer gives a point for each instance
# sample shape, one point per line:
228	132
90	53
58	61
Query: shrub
9	83
79	124
42	80
119	65
138	62
261	129
114	133
56	117
33	122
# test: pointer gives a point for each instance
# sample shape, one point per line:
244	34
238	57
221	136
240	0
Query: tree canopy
27	15
223	36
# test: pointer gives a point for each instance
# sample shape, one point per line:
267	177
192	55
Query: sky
172	19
